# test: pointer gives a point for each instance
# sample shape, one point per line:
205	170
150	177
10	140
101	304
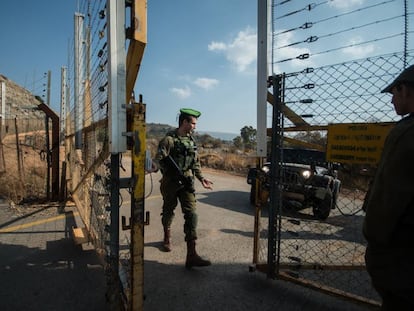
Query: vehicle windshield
304	156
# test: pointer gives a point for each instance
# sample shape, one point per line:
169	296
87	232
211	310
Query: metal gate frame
274	267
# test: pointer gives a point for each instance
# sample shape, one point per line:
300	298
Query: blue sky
35	39
200	53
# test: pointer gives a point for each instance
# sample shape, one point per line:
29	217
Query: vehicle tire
253	193
335	194
322	208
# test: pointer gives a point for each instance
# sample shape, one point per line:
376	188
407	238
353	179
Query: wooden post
62	193
19	154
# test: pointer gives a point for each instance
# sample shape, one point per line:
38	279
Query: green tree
237	142
248	136
312	137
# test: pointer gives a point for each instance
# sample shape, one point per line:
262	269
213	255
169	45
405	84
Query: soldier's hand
207	183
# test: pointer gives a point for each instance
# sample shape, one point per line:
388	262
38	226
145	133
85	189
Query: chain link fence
296	238
328	254
99	166
86	131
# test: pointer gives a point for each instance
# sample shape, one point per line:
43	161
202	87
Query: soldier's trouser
171	193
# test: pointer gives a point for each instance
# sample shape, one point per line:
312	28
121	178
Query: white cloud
206	83
345	4
241	51
181	92
216	46
359	51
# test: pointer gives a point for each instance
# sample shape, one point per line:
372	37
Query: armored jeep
307	180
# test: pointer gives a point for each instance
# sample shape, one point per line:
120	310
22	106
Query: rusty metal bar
54	150
138	206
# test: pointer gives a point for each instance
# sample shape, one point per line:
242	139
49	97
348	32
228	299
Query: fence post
19	155
78	79
138	206
275	167
53	156
2	162
116	76
114	286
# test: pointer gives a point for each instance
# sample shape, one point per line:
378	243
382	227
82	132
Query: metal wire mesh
86	138
96	132
346	92
329	254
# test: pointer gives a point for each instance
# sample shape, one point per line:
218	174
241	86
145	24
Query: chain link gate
293	243
97	126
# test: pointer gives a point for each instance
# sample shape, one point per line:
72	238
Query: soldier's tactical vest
184	152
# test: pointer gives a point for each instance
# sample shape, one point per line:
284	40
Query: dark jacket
389	220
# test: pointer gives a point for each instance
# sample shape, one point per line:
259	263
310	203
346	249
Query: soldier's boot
193	259
167	239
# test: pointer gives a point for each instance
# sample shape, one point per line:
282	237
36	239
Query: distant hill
220	135
19	101
157	131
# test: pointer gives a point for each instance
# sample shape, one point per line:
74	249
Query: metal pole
114	229
3	103
116	120
63	104
405	32
2	161
138	207
87	113
53	154
78	79
2	125
117	76
47	142
261	78
275	191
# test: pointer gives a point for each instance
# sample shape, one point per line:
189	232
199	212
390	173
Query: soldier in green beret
178	160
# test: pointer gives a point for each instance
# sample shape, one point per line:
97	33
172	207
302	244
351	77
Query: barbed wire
94	13
282	2
308	7
317	37
354	11
358	44
312	39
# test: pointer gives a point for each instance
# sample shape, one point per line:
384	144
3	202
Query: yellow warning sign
360	143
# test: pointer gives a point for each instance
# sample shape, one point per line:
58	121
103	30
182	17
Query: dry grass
230	162
29	182
24	181
220	159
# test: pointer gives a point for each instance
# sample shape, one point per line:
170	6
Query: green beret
191	112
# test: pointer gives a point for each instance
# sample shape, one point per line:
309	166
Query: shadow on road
61	277
230	286
232	200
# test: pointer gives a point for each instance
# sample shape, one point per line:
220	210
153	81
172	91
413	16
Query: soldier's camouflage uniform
183	150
